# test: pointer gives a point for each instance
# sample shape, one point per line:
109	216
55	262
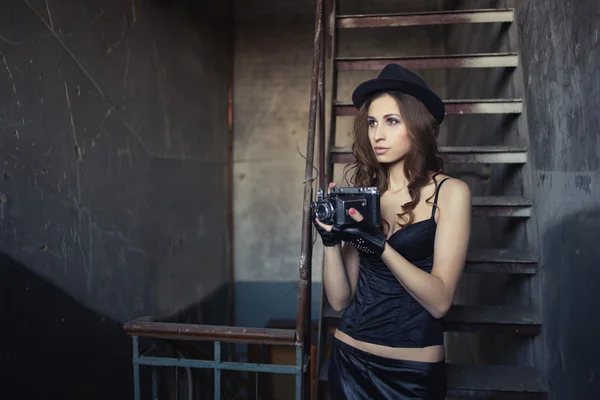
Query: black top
382	311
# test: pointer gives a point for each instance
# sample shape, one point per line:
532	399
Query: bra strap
437	192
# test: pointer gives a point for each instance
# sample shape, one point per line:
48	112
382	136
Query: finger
332	184
322	225
355	215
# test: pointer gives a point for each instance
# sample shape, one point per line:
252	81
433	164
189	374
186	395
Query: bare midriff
424	354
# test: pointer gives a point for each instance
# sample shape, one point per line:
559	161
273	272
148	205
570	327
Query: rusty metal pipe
306	249
321	85
144	327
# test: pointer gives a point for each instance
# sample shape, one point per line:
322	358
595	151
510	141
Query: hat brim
367	89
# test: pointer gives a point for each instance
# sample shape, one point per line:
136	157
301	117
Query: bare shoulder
455	186
454	193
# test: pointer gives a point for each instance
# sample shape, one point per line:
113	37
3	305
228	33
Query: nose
379	133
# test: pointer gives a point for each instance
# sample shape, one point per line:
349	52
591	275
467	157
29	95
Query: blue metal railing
149	328
217	365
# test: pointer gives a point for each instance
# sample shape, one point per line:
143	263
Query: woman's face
387	132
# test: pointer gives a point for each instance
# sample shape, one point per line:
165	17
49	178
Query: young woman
397	280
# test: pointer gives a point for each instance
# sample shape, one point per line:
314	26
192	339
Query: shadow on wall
571	261
55	348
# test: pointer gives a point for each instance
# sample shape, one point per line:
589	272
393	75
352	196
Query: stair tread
455	149
456	107
508	315
500	201
455	101
456	154
500	378
482	55
493	315
520	262
488	60
515	262
486	378
505	201
498	15
452	12
501	256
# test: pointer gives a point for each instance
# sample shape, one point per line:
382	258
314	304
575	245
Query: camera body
333	209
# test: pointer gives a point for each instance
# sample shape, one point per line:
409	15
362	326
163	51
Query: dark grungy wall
560	45
113	189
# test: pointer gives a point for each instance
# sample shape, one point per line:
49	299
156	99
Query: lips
381	150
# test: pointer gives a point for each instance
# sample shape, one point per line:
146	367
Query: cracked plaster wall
559	43
113	148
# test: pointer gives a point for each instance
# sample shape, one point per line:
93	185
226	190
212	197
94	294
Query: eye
393	121
372	122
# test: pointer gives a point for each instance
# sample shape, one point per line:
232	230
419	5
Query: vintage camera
333	209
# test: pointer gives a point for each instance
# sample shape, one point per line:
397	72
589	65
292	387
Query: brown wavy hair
421	164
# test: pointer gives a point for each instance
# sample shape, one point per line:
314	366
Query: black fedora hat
396	78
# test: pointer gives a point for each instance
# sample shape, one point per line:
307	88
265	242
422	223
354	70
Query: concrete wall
559	42
113	194
273	65
273	51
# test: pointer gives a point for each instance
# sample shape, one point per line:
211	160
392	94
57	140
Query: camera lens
324	211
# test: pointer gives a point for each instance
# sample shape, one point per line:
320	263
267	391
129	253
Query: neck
397	179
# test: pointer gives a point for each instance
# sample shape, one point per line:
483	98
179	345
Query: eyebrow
385	116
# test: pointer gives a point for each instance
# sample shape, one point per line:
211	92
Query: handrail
304	288
325	164
144	327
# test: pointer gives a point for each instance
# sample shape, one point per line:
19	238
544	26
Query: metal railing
300	338
149	328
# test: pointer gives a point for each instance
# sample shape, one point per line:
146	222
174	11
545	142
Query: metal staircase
493	330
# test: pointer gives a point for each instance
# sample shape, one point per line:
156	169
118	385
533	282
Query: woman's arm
340	275
435	291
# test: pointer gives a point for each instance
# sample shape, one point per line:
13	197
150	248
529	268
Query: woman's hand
363	235
328	237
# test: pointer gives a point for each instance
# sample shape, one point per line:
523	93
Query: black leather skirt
356	374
